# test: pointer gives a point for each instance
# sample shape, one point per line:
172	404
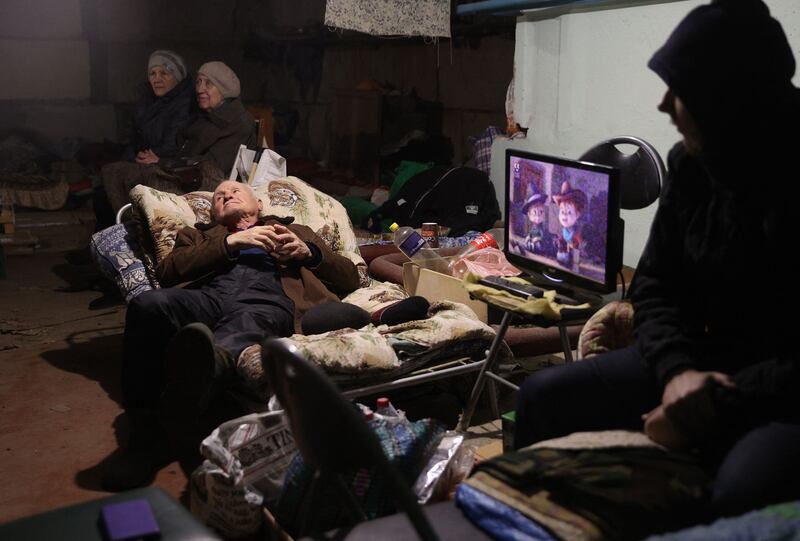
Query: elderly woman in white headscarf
165	109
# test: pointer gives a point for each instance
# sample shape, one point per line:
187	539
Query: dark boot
147	452
193	368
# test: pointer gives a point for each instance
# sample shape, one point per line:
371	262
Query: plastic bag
379	196
246	462
449	465
485	262
407	445
271	165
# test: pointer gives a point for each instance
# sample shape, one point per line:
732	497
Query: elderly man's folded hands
276	239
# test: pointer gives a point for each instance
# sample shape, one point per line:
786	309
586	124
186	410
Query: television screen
562	219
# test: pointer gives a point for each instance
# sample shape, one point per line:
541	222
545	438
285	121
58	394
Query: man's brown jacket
199	255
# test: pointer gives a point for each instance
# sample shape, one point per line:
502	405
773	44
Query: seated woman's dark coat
157	121
216	134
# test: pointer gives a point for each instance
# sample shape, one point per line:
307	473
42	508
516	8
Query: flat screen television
563	223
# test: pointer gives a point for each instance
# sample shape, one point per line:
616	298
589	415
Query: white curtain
391	17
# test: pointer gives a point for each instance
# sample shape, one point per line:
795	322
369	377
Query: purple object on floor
129	520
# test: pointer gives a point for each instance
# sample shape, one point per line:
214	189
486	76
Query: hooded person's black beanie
731	65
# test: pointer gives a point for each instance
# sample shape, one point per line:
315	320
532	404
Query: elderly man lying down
226	286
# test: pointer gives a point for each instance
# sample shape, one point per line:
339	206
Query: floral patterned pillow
164	214
608	329
378	295
290	196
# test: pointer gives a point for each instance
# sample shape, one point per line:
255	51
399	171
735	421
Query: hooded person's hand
687	412
659	428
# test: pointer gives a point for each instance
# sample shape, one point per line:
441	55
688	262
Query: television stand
577	316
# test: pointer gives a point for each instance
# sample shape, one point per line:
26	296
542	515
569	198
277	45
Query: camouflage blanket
624	492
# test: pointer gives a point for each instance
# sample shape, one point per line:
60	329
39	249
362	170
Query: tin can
430	232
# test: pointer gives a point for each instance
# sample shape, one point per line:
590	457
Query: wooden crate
22	242
7	221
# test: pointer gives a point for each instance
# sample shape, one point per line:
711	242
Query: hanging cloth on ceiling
429	18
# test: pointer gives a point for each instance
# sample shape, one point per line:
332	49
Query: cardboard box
435	286
489	451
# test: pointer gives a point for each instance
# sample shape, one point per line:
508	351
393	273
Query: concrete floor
60	416
59	387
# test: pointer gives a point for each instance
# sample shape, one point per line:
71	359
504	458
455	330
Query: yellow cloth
544	306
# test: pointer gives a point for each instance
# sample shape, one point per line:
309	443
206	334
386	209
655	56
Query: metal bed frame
485	367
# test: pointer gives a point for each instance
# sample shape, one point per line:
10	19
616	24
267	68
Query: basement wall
582	77
72	68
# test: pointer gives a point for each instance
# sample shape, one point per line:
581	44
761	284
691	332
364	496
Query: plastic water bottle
494	238
415	248
385	408
369	415
395	420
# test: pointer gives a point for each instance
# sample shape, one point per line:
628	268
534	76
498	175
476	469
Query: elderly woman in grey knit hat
223	123
216	82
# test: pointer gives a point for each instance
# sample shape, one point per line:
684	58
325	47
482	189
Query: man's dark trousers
241	307
612	391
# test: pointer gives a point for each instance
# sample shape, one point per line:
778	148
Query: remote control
523	290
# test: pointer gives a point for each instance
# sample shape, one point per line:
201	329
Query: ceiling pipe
512	7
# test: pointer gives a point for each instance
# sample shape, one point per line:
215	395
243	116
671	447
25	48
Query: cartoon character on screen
539	240
571	206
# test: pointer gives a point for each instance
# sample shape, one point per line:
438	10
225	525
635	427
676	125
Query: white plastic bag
246	461
270	166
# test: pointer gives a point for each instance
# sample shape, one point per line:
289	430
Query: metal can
430	232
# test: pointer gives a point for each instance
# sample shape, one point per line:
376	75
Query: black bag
188	177
461	198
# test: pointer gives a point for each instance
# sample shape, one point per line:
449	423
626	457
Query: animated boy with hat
571	206
539	240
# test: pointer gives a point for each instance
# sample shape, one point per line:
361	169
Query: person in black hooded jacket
714	367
